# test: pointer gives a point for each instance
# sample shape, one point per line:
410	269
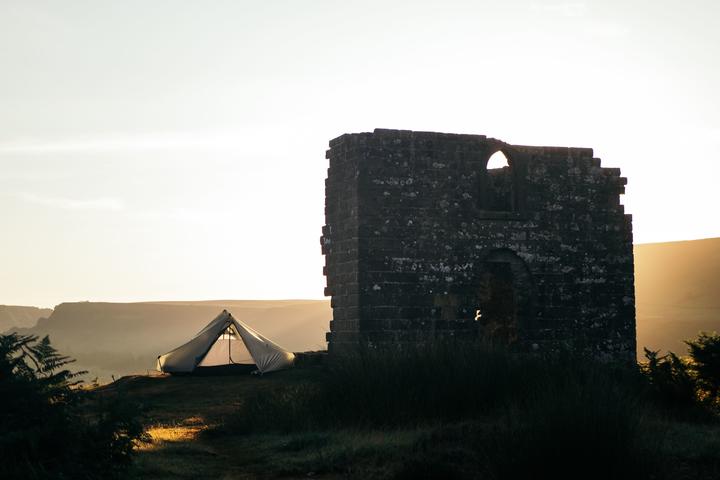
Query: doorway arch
504	297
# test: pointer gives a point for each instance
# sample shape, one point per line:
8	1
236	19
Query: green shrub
49	428
687	385
705	355
672	382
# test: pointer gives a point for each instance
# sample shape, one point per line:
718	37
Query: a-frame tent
226	342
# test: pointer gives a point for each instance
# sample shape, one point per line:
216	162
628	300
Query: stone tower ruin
422	241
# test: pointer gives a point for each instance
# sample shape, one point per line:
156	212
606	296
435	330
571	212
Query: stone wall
423	242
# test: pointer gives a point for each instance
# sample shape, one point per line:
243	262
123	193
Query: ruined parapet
423	242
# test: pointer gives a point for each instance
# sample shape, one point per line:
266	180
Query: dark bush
705	355
49	427
671	381
689	386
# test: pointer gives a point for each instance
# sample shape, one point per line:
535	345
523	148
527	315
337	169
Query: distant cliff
12	316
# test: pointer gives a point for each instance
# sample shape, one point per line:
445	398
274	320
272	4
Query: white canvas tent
226	342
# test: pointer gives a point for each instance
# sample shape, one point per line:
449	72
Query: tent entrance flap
228	349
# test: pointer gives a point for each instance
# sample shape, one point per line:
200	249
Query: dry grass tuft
186	430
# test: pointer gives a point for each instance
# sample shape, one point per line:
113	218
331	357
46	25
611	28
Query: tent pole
229	346
230	359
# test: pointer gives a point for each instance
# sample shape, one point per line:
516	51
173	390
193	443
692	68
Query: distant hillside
677	288
20	317
123	338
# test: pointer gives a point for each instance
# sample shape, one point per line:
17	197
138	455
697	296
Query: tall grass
492	414
488	413
438	382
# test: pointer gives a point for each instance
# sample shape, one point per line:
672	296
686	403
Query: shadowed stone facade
423	242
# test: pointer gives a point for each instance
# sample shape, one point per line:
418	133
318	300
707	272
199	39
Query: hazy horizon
175	150
198	301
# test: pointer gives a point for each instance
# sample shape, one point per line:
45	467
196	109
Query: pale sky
172	150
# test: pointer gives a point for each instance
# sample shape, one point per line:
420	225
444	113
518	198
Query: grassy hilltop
447	410
440	413
447	414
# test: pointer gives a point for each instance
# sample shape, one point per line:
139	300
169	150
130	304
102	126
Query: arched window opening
497	160
499	195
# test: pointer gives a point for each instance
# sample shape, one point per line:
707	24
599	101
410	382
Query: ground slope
677	288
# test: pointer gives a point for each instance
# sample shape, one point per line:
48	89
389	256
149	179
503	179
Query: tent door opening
228	349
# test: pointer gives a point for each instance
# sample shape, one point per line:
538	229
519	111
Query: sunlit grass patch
185	431
174	451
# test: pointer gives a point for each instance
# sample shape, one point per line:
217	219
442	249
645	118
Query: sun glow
185	162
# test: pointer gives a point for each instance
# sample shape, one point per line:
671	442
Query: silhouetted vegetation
671	381
705	364
689	385
441	382
493	414
49	427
